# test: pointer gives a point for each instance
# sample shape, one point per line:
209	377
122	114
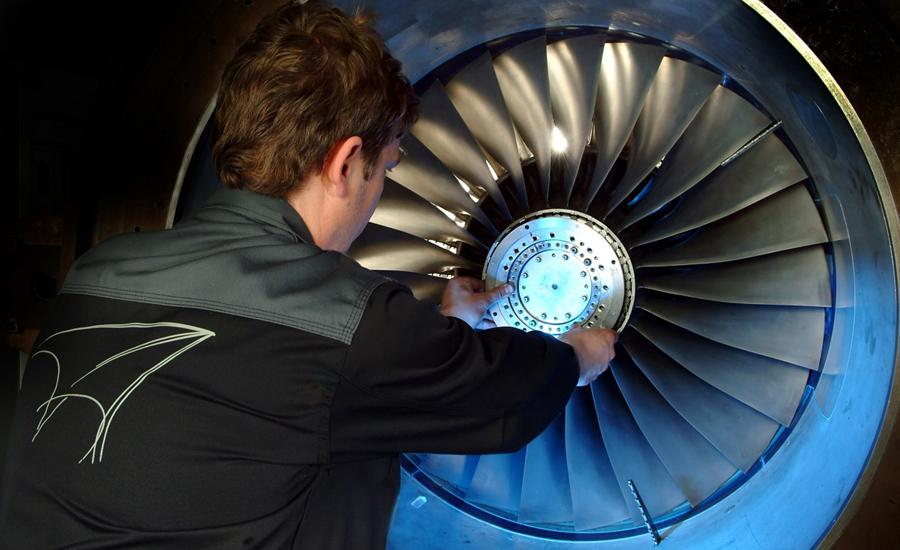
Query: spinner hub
567	270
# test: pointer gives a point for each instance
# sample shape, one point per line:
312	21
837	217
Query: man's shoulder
242	272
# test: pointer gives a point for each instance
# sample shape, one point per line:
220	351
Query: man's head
310	88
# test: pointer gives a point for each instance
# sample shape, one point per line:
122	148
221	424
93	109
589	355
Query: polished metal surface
383	248
630	454
627	71
423	287
772	387
523	76
476	95
401	209
725	124
794	278
497	481
791	334
421	172
546	493
740	433
574	68
567	270
694	464
781	222
679	90
767	168
596	498
441	129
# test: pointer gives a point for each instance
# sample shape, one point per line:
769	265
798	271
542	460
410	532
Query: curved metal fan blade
383	248
401	209
724	124
476	94
677	93
631	456
765	169
442	130
456	469
792	334
525	84
784	221
596	498
740	433
424	174
627	71
694	464
497	480
794	278
772	387
423	287
545	482
574	66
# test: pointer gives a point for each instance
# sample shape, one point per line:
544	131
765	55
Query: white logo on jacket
193	335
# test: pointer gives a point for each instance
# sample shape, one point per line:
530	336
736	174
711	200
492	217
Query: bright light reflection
558	141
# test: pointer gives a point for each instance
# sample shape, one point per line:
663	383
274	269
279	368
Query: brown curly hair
308	77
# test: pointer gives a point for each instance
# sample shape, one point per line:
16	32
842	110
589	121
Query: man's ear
340	164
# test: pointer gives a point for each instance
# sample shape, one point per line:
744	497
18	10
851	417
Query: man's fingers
497	294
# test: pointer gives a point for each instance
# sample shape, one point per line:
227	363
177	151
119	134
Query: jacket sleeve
416	381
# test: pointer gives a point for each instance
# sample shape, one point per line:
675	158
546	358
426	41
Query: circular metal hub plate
567	270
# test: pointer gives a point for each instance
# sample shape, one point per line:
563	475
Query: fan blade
423	287
694	464
525	84
383	248
401	209
421	172
740	433
455	469
765	169
596	497
477	97
442	130
784	221
791	334
631	456
497	481
627	71
545	481
724	124
797	278
772	387
574	66
677	93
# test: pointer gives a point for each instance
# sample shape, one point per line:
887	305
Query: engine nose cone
567	270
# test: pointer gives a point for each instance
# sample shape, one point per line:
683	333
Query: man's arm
417	381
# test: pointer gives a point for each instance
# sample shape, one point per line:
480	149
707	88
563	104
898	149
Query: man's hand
594	348
466	299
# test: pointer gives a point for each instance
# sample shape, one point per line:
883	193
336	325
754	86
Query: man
237	382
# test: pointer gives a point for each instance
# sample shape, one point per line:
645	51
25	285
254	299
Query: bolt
568	315
584	298
543	315
526	299
554	286
538	259
525	274
587	261
584	273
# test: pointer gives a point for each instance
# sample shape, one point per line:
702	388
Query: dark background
71	91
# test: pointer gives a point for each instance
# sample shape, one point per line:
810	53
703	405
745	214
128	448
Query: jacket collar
271	211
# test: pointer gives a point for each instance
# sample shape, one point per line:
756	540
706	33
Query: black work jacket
228	384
